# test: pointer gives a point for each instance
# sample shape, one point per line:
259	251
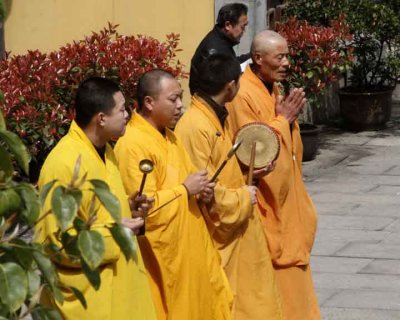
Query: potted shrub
366	101
317	56
366	97
38	88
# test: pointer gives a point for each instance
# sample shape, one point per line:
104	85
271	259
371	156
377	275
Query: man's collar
102	152
269	86
220	111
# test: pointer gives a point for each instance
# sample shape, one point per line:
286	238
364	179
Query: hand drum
267	147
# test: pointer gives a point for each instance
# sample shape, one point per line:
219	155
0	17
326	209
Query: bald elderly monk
234	221
186	276
287	211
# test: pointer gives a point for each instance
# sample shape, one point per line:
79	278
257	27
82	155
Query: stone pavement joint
355	184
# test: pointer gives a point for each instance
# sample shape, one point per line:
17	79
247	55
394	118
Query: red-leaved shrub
317	54
39	88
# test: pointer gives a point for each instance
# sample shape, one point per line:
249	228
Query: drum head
267	144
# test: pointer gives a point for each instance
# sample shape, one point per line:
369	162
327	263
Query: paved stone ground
355	184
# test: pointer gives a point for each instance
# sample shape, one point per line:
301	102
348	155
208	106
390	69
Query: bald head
270	53
160	99
265	41
150	84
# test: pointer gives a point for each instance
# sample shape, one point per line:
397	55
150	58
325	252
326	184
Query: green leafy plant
2	10
316	12
27	268
375	27
376	45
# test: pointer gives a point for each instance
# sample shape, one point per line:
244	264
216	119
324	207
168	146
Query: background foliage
38	88
317	54
375	26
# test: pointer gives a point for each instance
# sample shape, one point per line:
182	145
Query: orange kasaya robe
287	211
186	276
234	222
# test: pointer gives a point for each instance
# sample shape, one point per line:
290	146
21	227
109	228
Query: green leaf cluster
28	268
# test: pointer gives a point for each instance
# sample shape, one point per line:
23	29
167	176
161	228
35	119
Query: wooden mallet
251	166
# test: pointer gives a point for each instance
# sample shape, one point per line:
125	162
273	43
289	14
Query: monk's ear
231	89
230	85
100	119
148	103
257	58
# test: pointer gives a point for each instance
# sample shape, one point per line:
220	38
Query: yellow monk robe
179	253
124	292
236	227
287	211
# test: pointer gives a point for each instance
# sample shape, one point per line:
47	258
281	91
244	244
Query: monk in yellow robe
188	281
124	292
234	221
287	211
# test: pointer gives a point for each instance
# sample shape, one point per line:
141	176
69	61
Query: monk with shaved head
287	211
185	274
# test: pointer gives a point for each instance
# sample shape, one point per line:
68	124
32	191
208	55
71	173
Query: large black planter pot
310	138
365	110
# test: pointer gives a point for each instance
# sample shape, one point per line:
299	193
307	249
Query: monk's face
167	106
114	121
273	62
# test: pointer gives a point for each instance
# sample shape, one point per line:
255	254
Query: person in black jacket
230	26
